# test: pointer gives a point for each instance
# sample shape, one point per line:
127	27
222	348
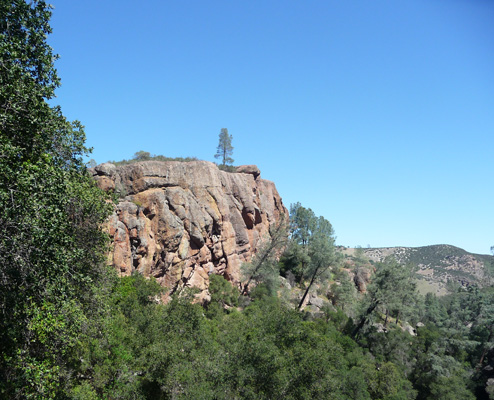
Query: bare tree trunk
484	352
363	320
307	291
275	241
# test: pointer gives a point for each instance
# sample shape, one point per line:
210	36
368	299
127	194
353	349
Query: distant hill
439	265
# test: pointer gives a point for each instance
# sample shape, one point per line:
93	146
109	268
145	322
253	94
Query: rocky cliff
182	221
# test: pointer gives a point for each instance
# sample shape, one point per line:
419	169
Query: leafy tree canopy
51	243
142	155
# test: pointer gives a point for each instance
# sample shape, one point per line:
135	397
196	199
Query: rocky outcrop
182	221
249	169
361	278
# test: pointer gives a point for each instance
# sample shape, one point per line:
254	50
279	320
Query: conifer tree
314	236
393	290
225	148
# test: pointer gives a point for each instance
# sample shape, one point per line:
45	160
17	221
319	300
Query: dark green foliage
142	155
113	345
179	343
227	168
311	252
392	294
343	291
223	295
393	346
51	243
451	352
130	292
450	388
292	261
438	253
270	352
266	351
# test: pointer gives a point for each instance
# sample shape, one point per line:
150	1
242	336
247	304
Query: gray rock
316	301
106	169
408	328
249	169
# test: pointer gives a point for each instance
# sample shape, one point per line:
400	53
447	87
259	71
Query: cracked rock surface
182	221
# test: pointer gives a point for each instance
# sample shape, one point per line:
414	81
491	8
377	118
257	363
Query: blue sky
378	115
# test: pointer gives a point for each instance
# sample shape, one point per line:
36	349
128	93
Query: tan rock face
181	222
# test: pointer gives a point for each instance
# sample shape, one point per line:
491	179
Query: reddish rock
105	183
104	174
181	222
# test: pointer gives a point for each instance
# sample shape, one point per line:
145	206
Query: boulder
104	182
106	169
316	301
249	169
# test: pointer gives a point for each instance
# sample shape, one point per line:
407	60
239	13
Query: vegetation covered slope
439	268
69	329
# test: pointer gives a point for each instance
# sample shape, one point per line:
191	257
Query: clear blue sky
378	115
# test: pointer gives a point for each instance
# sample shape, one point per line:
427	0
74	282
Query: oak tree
51	244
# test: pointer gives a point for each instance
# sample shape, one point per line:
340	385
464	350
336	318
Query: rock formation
182	221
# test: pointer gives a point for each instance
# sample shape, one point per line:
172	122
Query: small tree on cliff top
225	148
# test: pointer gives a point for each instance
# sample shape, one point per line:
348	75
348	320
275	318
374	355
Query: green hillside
440	265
